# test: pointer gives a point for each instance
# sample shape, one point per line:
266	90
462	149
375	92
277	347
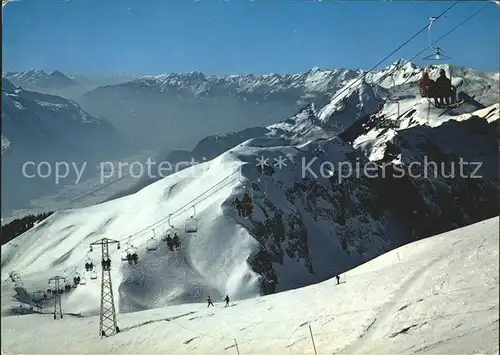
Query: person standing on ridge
209	300
227	300
338	279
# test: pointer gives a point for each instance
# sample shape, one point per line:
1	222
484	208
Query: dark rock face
439	192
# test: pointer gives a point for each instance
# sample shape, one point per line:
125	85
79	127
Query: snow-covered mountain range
69	86
40	128
165	109
36	79
398	81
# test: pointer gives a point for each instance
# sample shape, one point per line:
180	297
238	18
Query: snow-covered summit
36	79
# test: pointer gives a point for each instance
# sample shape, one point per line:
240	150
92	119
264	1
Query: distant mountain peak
57	73
36	79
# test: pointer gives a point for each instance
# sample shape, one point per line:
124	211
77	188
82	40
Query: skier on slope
209	301
227	300
338	279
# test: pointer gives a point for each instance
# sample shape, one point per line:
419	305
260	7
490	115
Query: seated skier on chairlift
170	243
176	243
132	258
106	264
445	90
89	266
428	88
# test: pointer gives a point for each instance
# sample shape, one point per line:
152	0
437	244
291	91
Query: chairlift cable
189	204
178	211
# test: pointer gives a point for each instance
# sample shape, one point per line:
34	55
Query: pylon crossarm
104	241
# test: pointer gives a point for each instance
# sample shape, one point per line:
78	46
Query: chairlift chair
77	278
124	255
89	263
191	223
67	287
437	55
83	281
172	230
152	244
93	275
129	254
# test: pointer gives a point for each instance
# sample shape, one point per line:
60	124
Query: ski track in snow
390	307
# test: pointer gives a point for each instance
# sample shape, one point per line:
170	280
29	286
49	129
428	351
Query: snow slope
435	296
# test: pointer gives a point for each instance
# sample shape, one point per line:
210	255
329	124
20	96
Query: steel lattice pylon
57	295
107	323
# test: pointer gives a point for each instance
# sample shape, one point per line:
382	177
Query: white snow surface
217	247
439	295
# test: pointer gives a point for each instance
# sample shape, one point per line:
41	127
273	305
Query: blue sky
216	37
